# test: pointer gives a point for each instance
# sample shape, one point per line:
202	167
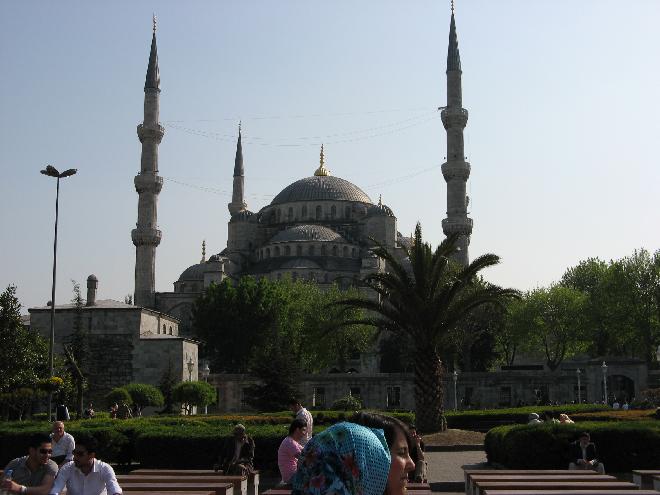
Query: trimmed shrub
622	446
143	395
348	403
118	395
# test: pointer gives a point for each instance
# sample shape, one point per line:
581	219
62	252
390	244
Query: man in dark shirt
34	473
583	455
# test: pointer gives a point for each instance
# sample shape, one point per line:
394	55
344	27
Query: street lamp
190	364
205	372
604	368
51	171
578	372
455	378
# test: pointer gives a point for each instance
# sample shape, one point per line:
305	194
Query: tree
23	352
167	383
424	301
143	395
511	337
77	349
194	394
117	396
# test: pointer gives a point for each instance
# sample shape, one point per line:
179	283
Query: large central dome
324	187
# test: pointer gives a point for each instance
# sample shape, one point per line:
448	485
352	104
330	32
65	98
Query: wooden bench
253	478
217	488
480	478
502	472
643	478
603	486
417	488
240	483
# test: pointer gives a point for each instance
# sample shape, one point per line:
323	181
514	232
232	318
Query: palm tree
422	298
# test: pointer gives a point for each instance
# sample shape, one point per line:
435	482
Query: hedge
622	446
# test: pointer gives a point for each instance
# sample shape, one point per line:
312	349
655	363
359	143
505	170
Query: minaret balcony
146	236
456	170
453	117
148	183
148	133
457	226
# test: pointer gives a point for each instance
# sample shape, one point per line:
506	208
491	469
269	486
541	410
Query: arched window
354	252
171	331
164	329
333	211
287	250
299	250
319	212
290	213
310	250
323	253
277	250
267	252
304	211
334	250
347	212
345	252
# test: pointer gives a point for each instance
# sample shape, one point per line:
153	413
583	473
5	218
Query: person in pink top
290	448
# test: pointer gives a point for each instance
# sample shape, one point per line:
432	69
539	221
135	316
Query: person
86	475
63	444
89	412
616	404
34	473
290	448
564	419
237	455
417	454
305	415
370	458
583	454
625	406
114	409
533	419
62	413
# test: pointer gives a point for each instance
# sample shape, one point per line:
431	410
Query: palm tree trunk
429	390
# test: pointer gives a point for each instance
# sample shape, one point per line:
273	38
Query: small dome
307	233
380	210
92	277
193	273
319	188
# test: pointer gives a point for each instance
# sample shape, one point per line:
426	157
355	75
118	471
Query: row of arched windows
310	250
164	332
291	214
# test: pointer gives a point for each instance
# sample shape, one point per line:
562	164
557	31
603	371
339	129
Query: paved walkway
445	469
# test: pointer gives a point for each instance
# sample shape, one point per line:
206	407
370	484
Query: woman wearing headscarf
352	459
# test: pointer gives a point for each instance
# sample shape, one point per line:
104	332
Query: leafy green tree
425	301
23	353
348	403
118	395
20	399
511	337
77	351
167	383
144	395
194	394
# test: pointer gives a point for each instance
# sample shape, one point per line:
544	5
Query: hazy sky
564	99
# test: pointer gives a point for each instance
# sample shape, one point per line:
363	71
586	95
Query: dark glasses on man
45	451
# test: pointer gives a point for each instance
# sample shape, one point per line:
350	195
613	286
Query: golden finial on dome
203	251
154	21
322	170
380	200
452	6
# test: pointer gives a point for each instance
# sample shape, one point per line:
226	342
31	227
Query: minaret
148	185
238	204
456	170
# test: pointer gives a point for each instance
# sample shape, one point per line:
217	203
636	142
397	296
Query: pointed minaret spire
238	204
152	80
322	171
148	184
456	170
203	251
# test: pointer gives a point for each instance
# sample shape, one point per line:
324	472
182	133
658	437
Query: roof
193	273
325	187
307	233
99	303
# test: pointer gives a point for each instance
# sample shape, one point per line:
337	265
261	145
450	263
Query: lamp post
190	364
205	372
604	368
51	171
455	378
578	373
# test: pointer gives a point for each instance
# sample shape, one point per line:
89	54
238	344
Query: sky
563	100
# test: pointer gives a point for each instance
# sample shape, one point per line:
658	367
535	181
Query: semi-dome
307	233
193	273
319	188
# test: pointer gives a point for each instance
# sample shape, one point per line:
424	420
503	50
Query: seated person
533	419
290	448
237	455
417	455
34	473
583	455
564	419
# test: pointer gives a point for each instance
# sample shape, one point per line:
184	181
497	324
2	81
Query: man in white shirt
86	475
305	415
63	444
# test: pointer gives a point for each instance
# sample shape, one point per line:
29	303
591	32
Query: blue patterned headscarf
345	459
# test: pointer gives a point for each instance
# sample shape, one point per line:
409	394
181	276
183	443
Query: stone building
127	343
